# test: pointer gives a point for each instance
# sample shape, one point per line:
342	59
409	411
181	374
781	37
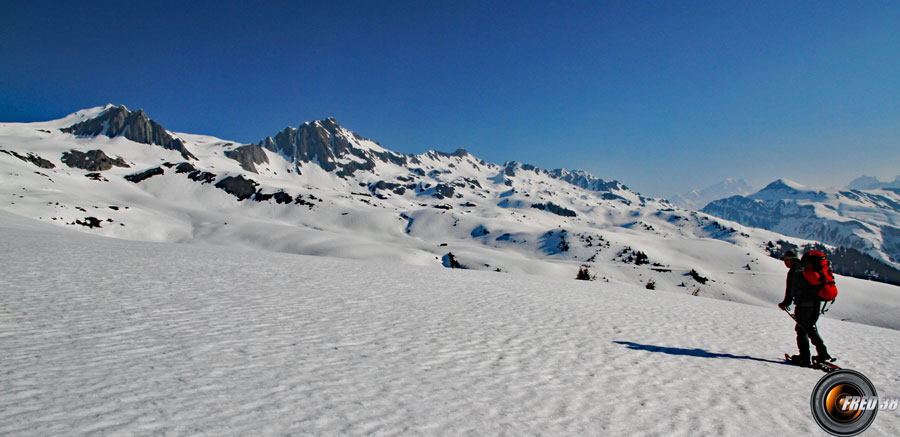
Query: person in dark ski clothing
804	296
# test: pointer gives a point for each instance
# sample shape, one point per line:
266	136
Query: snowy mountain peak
787	189
330	146
115	121
460	152
784	185
75	117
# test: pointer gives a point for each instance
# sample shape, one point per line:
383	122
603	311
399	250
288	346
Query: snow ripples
112	337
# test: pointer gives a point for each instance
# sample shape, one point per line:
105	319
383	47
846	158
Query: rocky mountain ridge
320	189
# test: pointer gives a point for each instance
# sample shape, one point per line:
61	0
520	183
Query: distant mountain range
697	199
864	220
872	183
320	189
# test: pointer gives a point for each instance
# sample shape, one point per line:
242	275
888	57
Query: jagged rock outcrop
327	143
134	125
583	179
248	156
92	160
579	178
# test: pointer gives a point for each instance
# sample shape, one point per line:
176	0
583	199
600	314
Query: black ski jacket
798	290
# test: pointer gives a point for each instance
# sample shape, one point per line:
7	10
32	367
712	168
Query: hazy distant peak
872	183
698	198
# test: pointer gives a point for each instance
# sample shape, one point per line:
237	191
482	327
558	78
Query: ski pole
795	320
789	313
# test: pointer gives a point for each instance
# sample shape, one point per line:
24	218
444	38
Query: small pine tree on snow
584	274
641	258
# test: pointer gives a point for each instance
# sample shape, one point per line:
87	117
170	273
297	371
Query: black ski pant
807	316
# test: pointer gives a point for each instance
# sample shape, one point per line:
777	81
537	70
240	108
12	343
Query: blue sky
663	96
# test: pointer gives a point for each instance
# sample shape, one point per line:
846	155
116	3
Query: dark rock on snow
146	174
32	158
204	177
443	190
238	187
554	208
90	222
92	160
184	167
97	177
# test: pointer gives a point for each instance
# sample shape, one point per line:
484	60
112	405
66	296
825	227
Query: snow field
103	336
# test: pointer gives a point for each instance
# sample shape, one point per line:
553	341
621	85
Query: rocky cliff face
248	156
134	125
327	144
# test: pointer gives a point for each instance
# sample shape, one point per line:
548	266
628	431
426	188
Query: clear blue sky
663	96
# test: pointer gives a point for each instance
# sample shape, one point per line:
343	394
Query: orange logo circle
837	403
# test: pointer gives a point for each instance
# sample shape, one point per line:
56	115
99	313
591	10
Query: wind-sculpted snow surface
102	336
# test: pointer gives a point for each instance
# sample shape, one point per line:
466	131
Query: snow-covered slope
320	189
866	220
697	199
106	336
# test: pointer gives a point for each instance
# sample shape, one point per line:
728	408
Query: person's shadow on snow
702	353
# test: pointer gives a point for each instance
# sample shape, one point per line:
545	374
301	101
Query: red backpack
817	272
